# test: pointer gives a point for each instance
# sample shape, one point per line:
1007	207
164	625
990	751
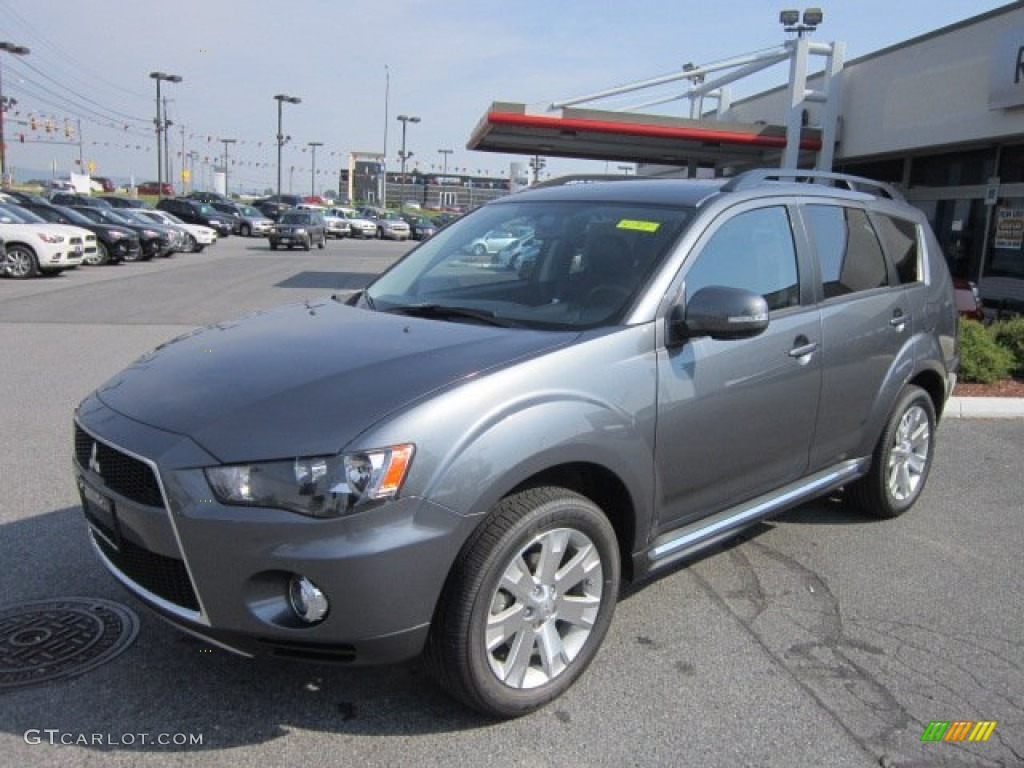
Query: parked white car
337	226
197	236
359	226
33	249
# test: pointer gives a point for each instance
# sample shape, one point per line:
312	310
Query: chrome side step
675	545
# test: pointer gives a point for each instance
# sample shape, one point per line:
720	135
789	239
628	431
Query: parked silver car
465	461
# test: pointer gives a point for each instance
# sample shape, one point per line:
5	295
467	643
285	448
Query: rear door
866	319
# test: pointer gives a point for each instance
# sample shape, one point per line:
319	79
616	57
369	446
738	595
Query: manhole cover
48	639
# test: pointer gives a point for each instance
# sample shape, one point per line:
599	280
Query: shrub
1009	334
982	360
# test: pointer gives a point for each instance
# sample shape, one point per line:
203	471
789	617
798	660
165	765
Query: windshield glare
541	265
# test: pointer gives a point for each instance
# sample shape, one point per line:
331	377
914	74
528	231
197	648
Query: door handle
803	347
898	320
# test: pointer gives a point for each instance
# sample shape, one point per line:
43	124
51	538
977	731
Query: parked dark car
124	202
464	462
272	207
298	228
154	241
420	227
195	212
114	243
26	197
74	198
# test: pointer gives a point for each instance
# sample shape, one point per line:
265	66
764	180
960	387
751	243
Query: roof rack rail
757	176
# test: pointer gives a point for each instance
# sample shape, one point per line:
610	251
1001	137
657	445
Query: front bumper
222	572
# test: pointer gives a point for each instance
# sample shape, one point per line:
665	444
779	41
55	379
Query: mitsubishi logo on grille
94	463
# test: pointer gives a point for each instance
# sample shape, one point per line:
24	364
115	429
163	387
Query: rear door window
849	254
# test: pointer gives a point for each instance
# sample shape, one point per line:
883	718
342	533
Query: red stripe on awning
649	131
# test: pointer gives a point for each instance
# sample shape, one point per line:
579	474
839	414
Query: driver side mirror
719	312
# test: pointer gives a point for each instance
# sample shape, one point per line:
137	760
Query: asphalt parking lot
818	639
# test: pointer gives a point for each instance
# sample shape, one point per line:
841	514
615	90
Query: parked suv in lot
302	228
196	212
465	459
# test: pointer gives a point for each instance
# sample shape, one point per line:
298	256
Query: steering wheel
607	295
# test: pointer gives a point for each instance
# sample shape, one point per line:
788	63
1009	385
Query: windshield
541	265
19	215
248	210
73	215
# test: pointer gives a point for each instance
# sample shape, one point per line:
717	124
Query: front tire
21	262
102	255
527	604
245	230
901	460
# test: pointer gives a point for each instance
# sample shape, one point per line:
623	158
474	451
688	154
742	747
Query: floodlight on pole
281	98
226	142
161	77
403	155
16	50
790	19
444	153
312	172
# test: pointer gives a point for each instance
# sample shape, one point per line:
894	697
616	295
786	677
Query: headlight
48	238
113	234
319	486
150	233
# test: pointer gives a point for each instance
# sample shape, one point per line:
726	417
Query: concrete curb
985	408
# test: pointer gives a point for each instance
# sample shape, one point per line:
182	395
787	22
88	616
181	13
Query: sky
357	66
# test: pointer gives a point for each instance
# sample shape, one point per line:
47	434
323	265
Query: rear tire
901	459
527	603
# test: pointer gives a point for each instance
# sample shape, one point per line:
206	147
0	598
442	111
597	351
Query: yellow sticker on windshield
639	226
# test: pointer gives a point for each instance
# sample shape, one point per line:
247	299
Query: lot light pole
403	155
281	99
312	171
160	77
444	154
16	50
226	142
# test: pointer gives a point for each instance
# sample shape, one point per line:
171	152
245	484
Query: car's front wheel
901	460
99	257
21	262
245	230
527	603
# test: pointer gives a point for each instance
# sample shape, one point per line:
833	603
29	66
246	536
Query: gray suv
302	228
466	459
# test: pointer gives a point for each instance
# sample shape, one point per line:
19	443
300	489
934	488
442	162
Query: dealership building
941	116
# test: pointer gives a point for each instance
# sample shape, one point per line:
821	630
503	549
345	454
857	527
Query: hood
305	379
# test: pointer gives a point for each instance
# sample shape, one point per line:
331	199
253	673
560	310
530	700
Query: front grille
165	577
122	473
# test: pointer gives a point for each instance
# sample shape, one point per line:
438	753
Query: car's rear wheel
323	242
100	257
273	245
527	603
21	262
901	460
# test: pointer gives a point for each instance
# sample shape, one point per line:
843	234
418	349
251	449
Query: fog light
308	602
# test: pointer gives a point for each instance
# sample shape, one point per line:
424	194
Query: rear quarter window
902	242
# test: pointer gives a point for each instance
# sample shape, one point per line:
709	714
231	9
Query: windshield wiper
447	312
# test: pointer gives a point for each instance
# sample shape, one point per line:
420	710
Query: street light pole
403	155
312	172
281	99
444	154
159	77
16	50
226	142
